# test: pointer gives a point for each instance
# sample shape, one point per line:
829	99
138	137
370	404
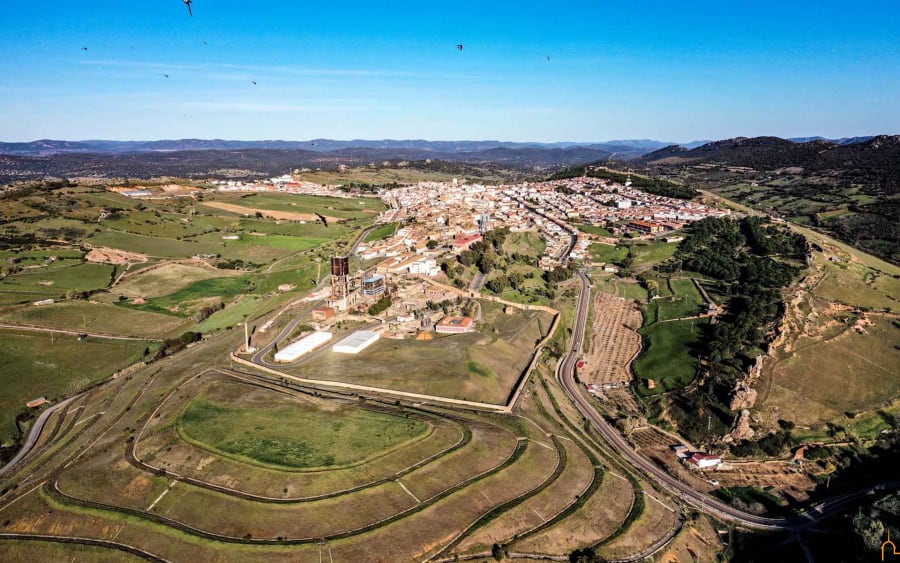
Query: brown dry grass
574	479
655	521
597	519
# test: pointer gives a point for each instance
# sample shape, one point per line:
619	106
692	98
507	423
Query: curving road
35	433
710	505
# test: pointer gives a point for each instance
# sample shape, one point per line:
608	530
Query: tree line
755	260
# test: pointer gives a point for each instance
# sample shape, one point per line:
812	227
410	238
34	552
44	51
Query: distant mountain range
42	147
880	155
846	188
204	158
622	149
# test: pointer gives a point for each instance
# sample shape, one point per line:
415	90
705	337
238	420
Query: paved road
35	433
286	332
701	501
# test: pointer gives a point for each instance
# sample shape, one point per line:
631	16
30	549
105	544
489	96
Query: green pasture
34	364
299	436
382	232
97	317
669	356
607	253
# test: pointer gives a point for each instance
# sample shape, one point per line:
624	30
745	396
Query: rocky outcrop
744	396
742	430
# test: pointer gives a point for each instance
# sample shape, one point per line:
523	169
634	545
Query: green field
851	372
230	316
342	208
97	317
298	436
685	301
669	357
630	290
608	254
34	365
167	279
856	284
526	242
185	300
593	230
252	249
68	275
653	252
382	232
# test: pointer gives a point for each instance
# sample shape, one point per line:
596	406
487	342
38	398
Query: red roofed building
703	461
454	325
461	243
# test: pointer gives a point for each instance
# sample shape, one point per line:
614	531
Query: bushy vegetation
172	345
484	253
380	306
655	186
755	260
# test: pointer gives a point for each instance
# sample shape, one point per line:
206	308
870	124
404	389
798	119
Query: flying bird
204	43
166	75
254	82
188	3
548	58
84	48
459	47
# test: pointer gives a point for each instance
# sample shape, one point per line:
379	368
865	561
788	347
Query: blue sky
674	71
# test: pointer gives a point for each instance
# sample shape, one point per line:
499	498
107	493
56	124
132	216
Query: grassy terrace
446	439
297	436
36	366
98	317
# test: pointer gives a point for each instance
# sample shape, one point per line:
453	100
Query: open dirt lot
113	256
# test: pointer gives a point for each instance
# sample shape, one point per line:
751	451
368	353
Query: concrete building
374	285
427	267
356	342
454	325
302	347
646	227
322	313
484	223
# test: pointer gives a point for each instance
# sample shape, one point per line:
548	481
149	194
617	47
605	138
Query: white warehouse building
302	347
356	342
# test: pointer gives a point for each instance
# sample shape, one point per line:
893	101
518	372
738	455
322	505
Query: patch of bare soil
114	256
